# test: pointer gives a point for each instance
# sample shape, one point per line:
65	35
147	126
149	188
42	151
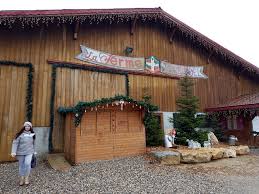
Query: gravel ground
139	175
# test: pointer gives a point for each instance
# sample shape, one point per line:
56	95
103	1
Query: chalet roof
249	101
79	109
103	102
36	17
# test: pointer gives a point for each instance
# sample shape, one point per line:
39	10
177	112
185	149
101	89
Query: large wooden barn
56	58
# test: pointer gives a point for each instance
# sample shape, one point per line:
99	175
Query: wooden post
133	25
171	35
210	55
64	40
76	30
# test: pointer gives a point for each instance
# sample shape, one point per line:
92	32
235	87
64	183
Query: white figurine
169	138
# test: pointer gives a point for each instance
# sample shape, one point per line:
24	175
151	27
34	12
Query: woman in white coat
23	148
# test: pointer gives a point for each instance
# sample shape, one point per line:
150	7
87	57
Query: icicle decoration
122	103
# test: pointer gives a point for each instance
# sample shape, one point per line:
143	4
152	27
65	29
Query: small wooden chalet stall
104	129
236	117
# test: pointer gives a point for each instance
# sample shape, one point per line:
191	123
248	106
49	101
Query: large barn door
13	84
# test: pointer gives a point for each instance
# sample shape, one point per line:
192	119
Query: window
234	122
255	123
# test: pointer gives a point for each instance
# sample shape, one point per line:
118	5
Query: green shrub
154	134
201	136
181	140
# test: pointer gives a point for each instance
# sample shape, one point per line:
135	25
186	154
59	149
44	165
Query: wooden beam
210	55
91	67
76	30
239	71
42	29
171	35
133	25
64	40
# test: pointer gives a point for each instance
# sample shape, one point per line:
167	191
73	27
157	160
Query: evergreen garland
29	97
80	108
88	68
52	100
127	84
29	93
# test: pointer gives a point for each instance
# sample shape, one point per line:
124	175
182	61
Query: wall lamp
128	50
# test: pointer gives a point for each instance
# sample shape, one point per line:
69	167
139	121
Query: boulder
167	157
217	153
241	150
195	156
212	138
229	153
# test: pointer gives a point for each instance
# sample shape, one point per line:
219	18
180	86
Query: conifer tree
185	122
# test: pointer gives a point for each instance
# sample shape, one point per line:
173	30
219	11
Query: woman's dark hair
22	130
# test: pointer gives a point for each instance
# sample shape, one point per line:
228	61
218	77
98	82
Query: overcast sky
231	23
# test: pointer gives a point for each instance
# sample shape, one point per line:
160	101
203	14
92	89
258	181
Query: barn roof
249	101
36	17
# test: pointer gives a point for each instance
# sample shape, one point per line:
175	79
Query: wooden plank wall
223	84
13	87
164	91
35	46
129	136
98	143
74	85
38	44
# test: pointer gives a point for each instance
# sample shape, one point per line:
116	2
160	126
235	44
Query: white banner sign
106	59
151	64
181	70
